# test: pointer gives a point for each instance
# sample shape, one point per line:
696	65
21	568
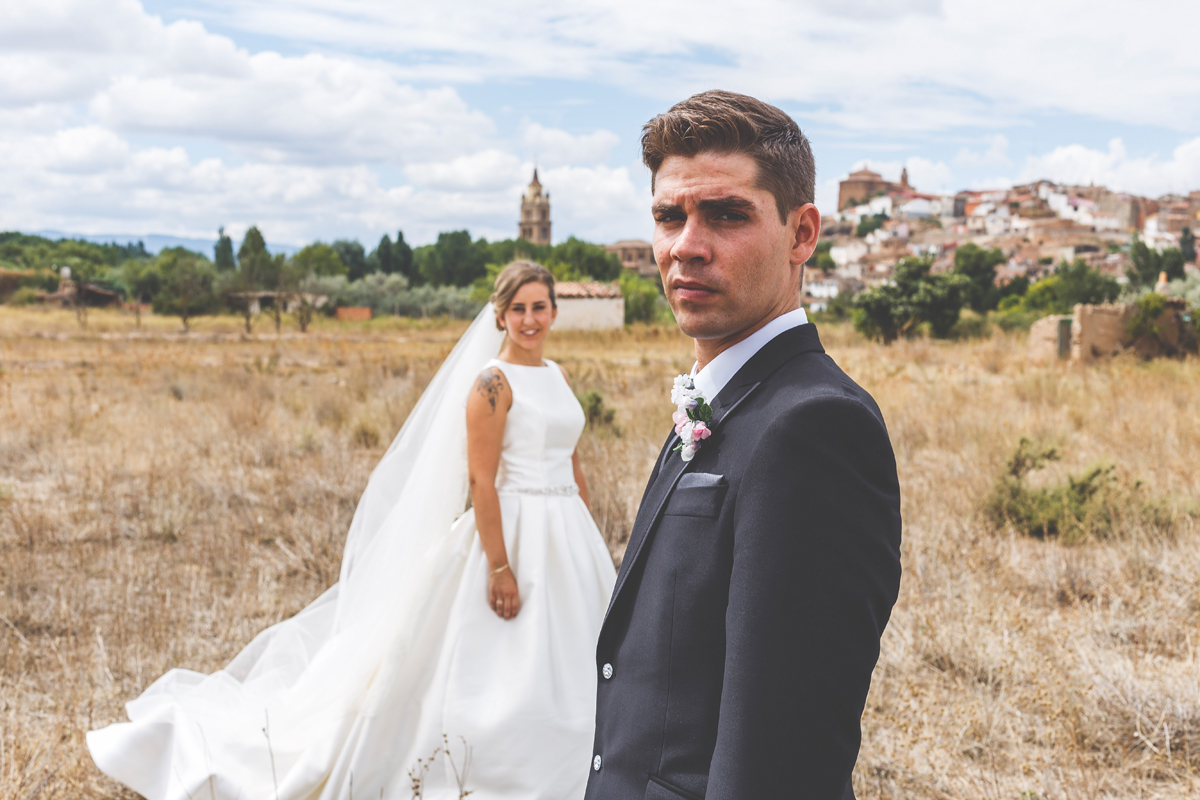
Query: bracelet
498	570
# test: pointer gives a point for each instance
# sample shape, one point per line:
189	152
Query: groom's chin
701	324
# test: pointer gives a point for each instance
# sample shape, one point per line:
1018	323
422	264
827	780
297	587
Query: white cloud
553	147
866	64
313	134
1114	168
488	170
601	204
114	119
995	155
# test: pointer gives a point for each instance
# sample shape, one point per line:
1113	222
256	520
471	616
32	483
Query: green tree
454	260
1070	284
224	252
382	258
402	255
142	281
820	258
254	260
979	267
353	256
320	259
587	259
914	297
868	224
1146	264
187	288
1187	245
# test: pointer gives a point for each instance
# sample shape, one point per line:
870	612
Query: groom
736	655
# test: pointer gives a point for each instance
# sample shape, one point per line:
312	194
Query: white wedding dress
365	681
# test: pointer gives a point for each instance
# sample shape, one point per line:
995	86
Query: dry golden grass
165	497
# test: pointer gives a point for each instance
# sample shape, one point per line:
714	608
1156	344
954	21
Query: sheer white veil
341	681
420	485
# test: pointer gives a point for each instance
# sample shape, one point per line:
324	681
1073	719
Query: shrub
642	297
971	326
1094	505
24	296
597	414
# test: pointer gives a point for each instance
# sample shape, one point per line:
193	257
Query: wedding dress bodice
543	426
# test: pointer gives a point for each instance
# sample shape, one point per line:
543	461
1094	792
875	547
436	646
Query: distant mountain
155	242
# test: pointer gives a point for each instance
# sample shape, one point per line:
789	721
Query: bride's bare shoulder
491	391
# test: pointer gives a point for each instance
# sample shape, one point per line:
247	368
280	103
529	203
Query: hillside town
1036	225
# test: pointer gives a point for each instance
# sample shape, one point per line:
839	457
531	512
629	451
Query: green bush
598	415
913	299
868	224
642	297
1094	505
971	325
1148	310
24	296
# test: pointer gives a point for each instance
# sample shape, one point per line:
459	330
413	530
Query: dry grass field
164	497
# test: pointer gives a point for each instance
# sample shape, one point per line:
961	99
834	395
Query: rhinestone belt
566	490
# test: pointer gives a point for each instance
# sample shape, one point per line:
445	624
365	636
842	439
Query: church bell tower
534	226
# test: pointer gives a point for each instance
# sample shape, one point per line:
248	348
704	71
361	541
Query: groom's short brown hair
727	122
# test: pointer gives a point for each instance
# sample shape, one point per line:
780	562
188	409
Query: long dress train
365	681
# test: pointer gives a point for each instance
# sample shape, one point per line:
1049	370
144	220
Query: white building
849	253
589	306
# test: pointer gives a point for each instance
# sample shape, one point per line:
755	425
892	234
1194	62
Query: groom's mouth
693	291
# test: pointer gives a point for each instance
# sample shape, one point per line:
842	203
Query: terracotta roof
865	175
630	243
574	289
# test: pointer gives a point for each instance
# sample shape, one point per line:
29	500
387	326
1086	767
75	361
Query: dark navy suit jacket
737	651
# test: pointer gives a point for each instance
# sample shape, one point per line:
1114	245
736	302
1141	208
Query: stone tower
535	213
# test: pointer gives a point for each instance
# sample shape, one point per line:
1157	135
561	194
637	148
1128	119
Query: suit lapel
670	468
669	473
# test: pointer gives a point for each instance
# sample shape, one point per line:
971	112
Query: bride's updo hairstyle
512	278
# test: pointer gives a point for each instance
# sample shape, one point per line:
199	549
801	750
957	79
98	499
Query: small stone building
589	306
637	255
1100	331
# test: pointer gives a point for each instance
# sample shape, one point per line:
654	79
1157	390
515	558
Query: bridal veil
325	700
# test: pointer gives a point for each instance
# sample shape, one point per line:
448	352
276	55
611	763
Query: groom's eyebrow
730	203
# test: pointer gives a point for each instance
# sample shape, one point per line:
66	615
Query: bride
478	631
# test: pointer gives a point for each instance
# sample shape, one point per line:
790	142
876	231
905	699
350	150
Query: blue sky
318	119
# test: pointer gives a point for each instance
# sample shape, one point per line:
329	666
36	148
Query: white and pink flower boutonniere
692	416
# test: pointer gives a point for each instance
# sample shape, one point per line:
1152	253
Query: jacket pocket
699	497
658	789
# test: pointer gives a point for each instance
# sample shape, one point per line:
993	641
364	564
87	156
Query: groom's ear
805	222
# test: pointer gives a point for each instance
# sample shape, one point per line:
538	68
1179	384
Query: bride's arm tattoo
489	385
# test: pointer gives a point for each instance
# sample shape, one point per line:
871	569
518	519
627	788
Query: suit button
596	762
606	671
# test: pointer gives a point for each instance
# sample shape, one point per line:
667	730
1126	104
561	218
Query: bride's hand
503	595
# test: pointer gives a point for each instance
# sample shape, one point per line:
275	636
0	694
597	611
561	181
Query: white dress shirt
716	373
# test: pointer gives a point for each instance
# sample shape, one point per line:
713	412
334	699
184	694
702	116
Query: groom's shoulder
807	376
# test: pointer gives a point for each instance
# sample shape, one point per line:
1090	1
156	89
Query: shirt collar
716	373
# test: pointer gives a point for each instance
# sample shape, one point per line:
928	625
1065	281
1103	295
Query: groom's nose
693	244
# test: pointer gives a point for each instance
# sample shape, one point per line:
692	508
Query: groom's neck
708	349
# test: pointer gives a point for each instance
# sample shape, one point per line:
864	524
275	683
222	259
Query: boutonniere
692	416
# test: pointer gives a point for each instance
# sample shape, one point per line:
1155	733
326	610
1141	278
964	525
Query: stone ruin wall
1100	330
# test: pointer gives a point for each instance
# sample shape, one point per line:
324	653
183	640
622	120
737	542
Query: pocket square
693	479
698	494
